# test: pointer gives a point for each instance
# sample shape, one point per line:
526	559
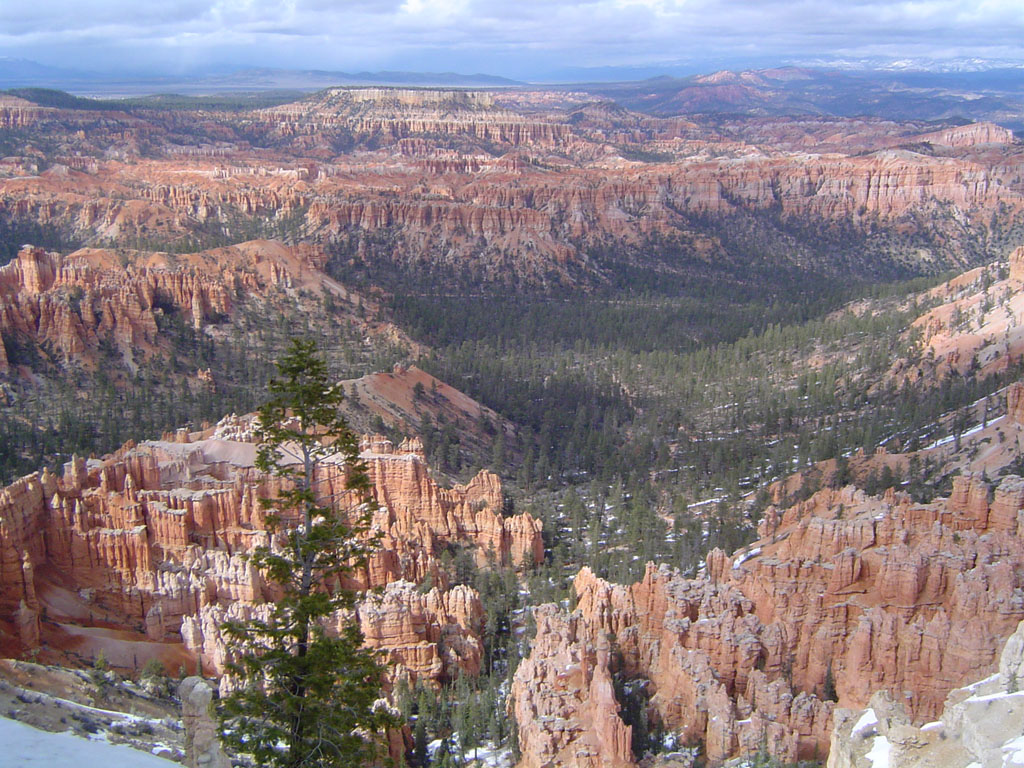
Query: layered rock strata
145	549
527	182
843	590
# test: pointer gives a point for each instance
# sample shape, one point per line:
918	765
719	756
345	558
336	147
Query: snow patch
1013	752
980	683
487	755
995	696
28	746
746	556
880	751
868	720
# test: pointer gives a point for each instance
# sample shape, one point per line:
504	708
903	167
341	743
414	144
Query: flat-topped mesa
844	590
152	540
391	115
969	135
418	97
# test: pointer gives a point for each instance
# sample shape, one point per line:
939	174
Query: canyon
140	555
767	651
145	242
499	186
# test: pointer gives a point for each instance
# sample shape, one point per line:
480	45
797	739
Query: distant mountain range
996	95
966	64
18	73
906	90
22	72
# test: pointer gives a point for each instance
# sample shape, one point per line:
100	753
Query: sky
523	39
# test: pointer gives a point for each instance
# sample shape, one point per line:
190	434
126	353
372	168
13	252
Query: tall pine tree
306	696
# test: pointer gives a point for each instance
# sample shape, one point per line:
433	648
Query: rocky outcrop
150	542
427	634
981	725
421	517
202	742
565	702
1015	403
709	669
843	590
970	135
1017	265
72	304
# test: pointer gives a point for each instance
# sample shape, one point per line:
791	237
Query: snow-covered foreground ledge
24	745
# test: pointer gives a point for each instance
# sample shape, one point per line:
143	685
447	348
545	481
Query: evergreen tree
306	696
828	688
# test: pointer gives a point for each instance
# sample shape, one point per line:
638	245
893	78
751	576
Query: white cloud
499	35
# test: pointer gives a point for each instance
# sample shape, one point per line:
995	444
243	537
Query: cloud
500	35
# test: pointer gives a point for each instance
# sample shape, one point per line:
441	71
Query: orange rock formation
492	183
72	303
147	547
879	593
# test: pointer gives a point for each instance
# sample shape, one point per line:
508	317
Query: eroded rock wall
149	544
867	592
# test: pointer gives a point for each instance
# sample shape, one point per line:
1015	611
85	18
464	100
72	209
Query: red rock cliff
147	545
878	592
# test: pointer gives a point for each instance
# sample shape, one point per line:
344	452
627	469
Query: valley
691	427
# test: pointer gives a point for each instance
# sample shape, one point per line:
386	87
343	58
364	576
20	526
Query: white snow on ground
867	720
951	438
994	696
1013	752
715	500
485	756
940	442
23	745
879	754
746	556
980	683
